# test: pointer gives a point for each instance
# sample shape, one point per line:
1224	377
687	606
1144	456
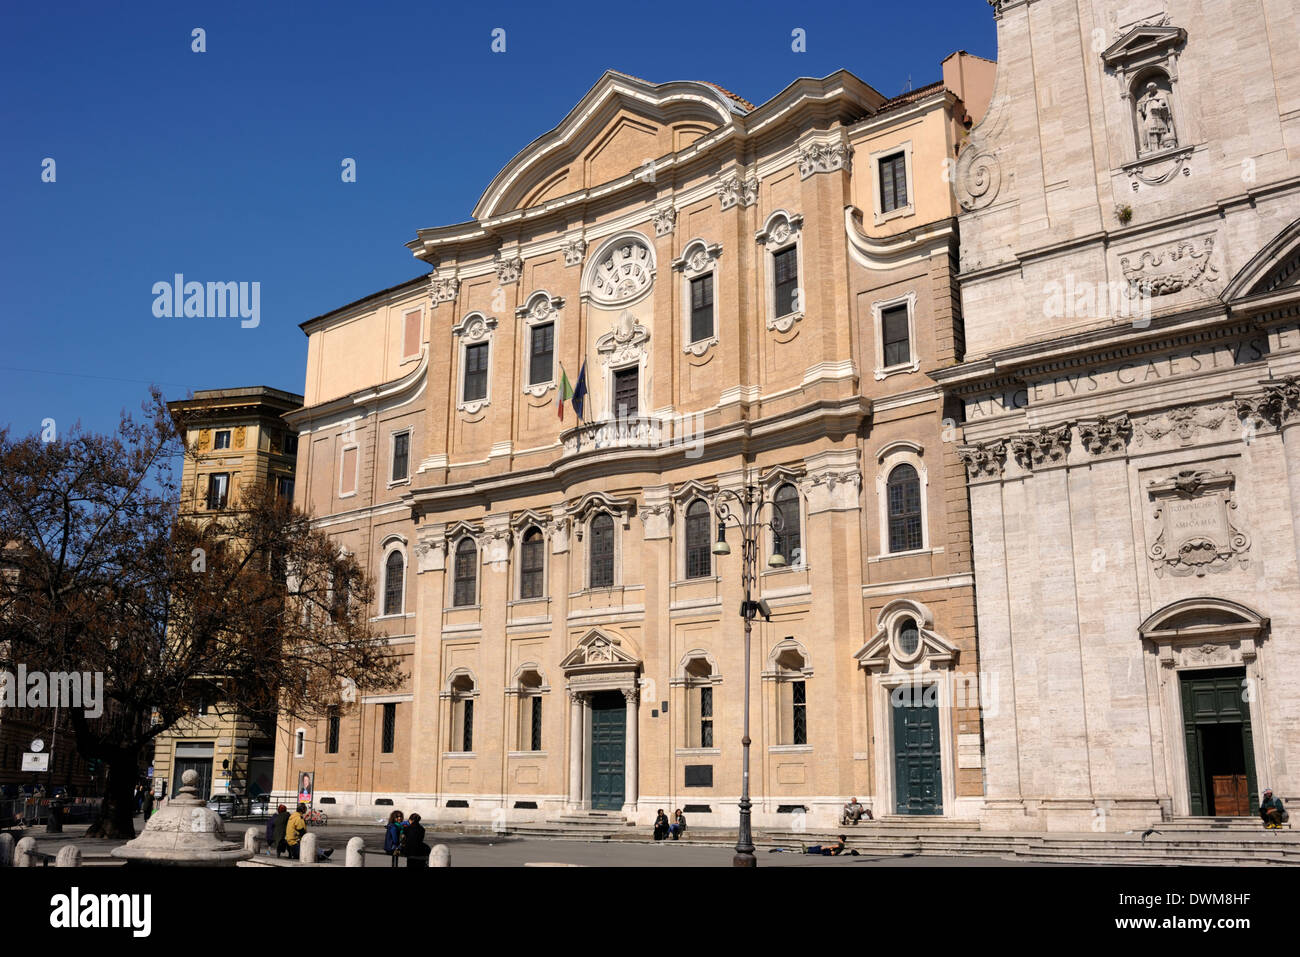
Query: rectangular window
467	735
541	353
706	717
299	743
476	372
291	444
535	729
532	564
390	728
348	471
627	386
218	489
332	735
799	718
702	308
894	334
222	439
284	488
893	182
411	330
401	456
785	267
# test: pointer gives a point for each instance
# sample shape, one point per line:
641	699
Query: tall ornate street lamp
743	508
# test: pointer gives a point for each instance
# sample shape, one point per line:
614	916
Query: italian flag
566	391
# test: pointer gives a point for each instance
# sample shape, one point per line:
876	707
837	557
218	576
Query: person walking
393	834
414	849
148	804
275	829
294	829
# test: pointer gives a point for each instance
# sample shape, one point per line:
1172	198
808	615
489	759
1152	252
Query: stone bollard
307	848
356	853
69	856
254	838
441	856
6	850
25	853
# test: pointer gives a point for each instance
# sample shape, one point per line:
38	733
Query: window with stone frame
476	372
702	307
465	574
532	563
221	439
792	698
699	542
462	713
218	490
785	272
895	335
530	712
627	393
699	703
394	582
332	732
787	541
893	182
401	467
389	730
600	536
904	502
541	353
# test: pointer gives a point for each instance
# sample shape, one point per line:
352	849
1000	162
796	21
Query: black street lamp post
743	508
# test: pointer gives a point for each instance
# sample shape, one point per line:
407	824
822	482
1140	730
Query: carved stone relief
1194	531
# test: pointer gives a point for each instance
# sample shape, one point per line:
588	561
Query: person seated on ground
661	825
1272	811
853	812
834	849
678	825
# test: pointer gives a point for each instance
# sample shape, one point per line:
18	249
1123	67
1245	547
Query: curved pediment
1273	269
621	123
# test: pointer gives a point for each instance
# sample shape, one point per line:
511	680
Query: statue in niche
1157	119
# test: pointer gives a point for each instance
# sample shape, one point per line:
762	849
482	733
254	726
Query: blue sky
225	165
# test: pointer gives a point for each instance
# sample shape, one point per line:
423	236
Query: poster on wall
305	782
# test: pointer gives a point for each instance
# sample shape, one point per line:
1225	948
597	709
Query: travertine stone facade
237	433
728	273
1130	243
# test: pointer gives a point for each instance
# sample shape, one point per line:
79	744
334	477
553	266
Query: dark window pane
706	717
394	573
602	551
893	182
908	637
626	393
222	440
788	541
702	308
465	577
401	455
467	739
536	729
699	560
390	727
476	370
532	560
542	354
800	723
893	332
786	269
904	491
332	735
218	487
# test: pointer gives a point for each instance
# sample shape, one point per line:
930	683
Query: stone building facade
759	294
1129	263
240	441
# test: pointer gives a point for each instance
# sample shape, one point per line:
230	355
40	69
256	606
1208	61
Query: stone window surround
517	690
393	543
772	676
877	321
1129	63
521	525
454	537
451	696
469	332
582	526
392	450
349	443
538	309
698	259
413	356
906	149
771	481
299	742
680	703
888	458
766	237
682	497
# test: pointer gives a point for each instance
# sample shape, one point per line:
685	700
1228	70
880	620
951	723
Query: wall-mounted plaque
1194	532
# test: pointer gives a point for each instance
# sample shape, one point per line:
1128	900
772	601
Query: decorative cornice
984	459
1105	434
1044	446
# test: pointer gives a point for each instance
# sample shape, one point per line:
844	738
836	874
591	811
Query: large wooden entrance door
917	771
1220	751
608	731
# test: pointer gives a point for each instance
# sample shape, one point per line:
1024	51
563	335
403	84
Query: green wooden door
917	776
608	730
1217	734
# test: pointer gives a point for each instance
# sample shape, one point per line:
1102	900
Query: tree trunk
117	813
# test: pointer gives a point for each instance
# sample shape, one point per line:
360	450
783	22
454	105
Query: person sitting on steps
1272	811
854	812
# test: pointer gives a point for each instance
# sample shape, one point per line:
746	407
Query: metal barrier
30	811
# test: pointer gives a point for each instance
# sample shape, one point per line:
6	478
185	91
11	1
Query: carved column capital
984	459
1276	404
1045	446
1105	434
442	288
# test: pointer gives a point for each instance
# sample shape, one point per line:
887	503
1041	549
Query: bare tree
258	608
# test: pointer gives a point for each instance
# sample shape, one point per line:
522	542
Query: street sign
33	761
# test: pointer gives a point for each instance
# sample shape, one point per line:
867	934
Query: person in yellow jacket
294	830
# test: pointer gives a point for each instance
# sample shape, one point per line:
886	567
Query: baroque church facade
1130	283
761	295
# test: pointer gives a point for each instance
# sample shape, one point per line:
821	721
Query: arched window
909	638
602	551
465	582
532	563
530	711
788	541
699	703
394	582
699	559
462	713
904	493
